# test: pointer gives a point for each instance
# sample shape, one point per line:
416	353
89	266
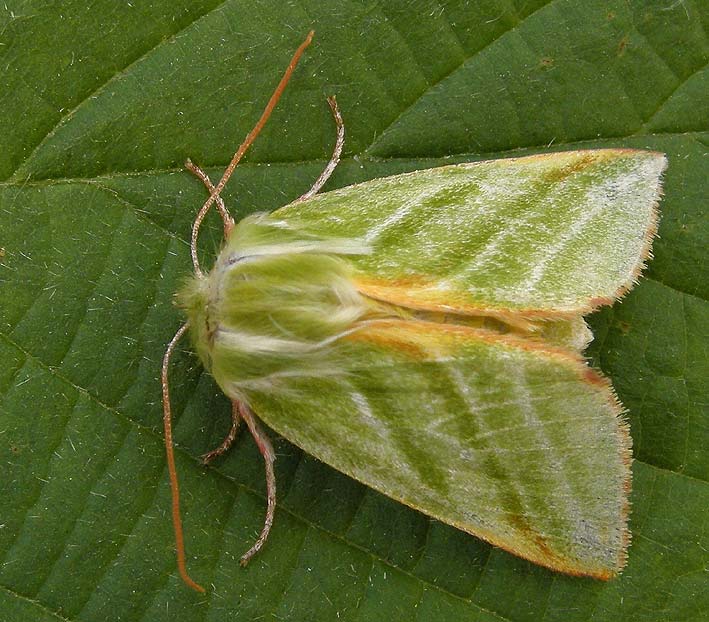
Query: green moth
423	333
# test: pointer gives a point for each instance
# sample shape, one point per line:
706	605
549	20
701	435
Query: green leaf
102	103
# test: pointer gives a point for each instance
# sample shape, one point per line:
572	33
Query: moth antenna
228	440
169	449
336	153
266	449
221	208
251	136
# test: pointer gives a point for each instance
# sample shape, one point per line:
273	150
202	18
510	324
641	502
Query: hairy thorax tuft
272	304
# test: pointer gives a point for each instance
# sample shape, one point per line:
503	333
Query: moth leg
228	439
266	449
337	152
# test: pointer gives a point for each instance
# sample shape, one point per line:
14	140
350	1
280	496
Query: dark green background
100	103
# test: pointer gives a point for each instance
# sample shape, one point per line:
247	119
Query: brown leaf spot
622	44
623	326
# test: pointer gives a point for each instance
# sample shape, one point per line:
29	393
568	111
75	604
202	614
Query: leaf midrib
12	178
92	95
359	158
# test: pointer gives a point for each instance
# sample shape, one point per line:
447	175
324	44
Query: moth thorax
305	297
262	316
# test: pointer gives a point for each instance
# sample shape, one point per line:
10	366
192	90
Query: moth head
193	298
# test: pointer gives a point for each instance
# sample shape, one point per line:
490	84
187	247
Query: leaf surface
101	104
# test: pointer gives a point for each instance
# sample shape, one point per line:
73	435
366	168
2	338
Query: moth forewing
546	235
508	439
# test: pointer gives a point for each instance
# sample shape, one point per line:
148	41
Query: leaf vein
101	87
446	75
36	603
